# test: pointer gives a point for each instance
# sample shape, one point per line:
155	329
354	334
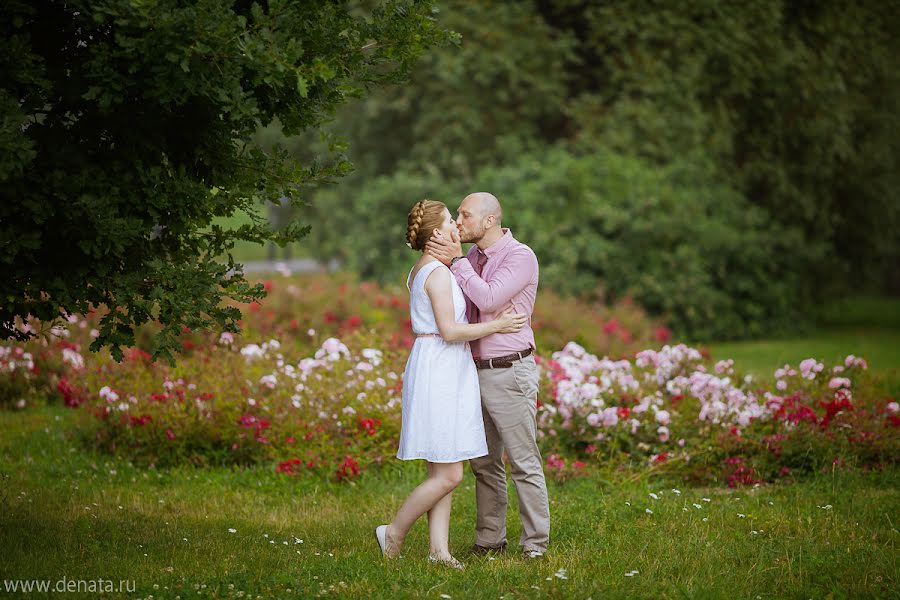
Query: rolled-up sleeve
518	269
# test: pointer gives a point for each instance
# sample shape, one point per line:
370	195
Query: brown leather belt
501	362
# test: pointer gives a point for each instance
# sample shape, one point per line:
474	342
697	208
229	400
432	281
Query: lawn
249	251
867	327
68	513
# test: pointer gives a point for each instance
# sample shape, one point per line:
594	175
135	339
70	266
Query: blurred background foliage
731	167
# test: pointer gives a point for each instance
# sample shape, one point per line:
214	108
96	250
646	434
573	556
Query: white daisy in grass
232	530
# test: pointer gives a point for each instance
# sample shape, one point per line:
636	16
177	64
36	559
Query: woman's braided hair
425	216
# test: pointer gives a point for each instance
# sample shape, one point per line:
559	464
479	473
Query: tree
124	134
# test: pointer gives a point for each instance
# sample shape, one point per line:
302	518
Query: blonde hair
425	216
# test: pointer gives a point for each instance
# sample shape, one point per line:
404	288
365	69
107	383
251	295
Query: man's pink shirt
510	275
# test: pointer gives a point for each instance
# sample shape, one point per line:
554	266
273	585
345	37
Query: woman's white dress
442	420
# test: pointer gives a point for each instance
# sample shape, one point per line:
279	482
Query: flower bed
313	384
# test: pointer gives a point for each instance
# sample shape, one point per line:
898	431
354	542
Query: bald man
499	271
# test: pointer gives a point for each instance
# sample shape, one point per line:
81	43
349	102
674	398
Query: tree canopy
760	140
125	130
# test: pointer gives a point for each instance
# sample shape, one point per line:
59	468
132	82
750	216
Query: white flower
73	358
232	530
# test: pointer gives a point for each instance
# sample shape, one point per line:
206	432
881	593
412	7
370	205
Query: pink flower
663	417
663	434
554	461
893	407
837	382
610	416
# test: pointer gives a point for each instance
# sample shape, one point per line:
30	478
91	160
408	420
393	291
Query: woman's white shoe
447	562
380	535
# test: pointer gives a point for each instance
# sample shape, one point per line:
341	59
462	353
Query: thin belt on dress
434	335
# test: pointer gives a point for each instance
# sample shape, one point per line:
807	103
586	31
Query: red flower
742	476
611	326
623	411
785	471
353	322
662	334
330	317
267	285
348	468
170	434
256	424
140	421
72	396
840	402
661	457
289	467
132	354
369	425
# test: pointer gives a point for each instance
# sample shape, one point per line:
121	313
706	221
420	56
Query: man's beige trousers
509	407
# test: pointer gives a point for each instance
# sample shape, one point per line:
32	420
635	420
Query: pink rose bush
727	427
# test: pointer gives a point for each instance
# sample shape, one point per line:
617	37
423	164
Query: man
499	271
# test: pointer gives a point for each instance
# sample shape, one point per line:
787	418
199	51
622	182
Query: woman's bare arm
440	292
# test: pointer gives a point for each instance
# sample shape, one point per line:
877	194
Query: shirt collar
499	245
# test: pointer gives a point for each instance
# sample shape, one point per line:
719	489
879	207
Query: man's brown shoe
483	550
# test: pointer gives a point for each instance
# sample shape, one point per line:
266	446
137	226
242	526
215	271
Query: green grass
867	327
67	513
247	251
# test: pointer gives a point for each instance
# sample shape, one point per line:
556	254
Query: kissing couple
471	382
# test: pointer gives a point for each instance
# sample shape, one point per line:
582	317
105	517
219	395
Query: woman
442	421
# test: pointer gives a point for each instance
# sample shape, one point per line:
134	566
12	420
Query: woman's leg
439	527
443	479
